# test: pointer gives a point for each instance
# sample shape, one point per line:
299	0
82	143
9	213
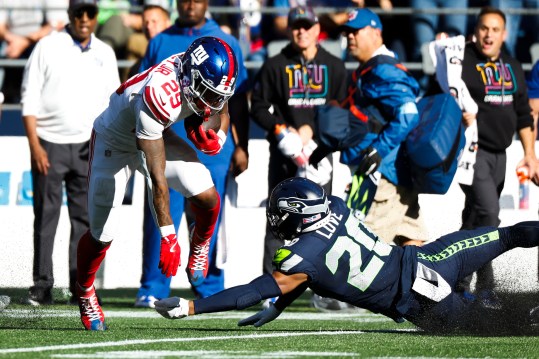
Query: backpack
434	147
428	157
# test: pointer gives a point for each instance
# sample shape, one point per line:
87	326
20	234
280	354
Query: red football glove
208	142
169	259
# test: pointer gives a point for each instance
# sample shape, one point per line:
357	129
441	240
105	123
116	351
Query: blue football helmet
208	75
296	205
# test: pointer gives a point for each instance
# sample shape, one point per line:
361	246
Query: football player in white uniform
132	134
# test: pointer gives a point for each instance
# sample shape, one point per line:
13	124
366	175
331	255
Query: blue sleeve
239	297
395	92
533	81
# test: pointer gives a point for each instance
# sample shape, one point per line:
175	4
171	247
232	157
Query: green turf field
301	332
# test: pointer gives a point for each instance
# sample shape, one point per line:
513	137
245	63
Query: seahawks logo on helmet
303	206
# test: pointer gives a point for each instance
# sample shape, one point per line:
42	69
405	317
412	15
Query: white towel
228	205
447	55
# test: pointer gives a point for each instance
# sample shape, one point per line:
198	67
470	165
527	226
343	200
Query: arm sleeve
533	81
239	297
285	300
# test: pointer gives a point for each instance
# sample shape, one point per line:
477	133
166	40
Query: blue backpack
428	158
435	145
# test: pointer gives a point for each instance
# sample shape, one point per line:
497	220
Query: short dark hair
487	10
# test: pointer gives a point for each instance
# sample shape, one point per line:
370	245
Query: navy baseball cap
303	14
360	18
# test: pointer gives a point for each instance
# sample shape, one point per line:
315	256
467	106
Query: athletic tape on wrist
167	230
222	137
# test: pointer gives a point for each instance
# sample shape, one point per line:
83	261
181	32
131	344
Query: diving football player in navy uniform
335	255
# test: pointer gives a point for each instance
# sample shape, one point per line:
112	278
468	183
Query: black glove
370	161
319	154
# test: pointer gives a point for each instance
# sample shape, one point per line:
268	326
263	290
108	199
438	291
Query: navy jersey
346	261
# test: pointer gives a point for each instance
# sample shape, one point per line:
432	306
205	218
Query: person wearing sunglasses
288	89
66	84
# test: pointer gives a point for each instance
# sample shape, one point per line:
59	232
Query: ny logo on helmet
199	55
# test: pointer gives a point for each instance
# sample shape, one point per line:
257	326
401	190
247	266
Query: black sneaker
38	296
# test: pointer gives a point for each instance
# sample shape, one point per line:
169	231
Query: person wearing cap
383	83
155	18
67	82
287	91
192	24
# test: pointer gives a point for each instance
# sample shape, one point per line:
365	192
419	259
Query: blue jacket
387	93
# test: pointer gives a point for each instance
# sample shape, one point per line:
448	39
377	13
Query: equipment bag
434	147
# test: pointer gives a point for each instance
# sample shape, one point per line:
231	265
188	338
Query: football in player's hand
194	121
213	122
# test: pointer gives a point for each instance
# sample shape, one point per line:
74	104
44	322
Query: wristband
167	230
222	137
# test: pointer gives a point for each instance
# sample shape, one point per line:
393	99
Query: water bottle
523	187
300	158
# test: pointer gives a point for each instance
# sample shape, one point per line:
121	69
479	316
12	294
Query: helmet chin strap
207	113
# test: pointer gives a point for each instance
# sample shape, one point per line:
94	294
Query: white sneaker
145	301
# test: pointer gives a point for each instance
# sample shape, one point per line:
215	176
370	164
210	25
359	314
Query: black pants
280	168
482	205
69	164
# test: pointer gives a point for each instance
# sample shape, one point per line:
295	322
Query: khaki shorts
395	212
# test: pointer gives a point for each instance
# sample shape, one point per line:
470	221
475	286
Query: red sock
90	254
205	219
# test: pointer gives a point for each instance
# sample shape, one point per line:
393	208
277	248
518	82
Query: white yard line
364	317
204	354
173	340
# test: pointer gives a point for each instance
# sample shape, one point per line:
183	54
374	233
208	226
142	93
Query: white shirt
143	107
66	87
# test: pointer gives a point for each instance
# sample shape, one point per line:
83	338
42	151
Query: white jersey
143	106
